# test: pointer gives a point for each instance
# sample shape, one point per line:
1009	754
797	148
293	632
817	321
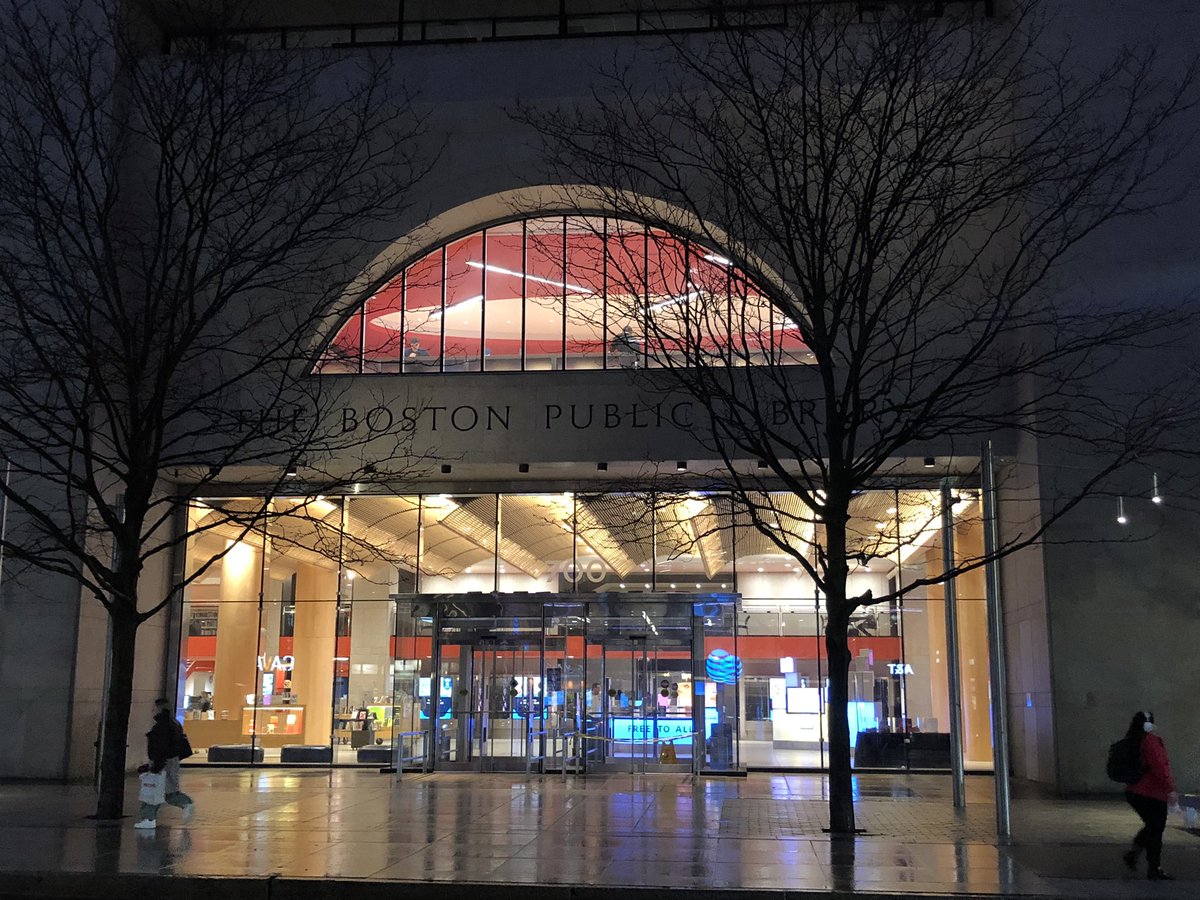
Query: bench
235	753
893	750
376	755
306	753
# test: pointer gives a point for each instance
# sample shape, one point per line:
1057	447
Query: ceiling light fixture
500	270
450	306
719	260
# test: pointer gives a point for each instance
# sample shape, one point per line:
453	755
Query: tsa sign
642	730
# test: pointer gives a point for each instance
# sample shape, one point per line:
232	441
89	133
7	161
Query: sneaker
1159	875
189	813
145	824
1131	859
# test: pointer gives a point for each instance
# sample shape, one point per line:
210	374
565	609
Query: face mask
1147	727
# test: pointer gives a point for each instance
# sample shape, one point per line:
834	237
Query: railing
530	756
399	757
620	21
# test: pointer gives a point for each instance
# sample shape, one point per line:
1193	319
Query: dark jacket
162	741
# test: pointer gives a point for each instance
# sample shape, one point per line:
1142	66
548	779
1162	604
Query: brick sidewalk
762	832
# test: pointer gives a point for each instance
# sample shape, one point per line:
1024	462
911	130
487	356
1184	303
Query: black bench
235	753
380	756
306	753
894	750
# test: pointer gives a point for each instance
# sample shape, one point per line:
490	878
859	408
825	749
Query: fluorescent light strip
719	260
671	301
450	306
500	270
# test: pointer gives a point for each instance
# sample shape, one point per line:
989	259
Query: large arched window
563	292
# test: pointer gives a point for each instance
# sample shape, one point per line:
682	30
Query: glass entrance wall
350	631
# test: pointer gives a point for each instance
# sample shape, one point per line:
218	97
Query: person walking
165	745
1150	796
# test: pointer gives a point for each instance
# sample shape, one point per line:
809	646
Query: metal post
956	744
996	644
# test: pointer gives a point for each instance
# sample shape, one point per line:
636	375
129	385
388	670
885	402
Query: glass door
509	694
490	681
646	712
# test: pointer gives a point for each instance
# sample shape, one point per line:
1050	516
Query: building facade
538	600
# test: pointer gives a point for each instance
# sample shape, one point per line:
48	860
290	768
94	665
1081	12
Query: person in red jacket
1150	796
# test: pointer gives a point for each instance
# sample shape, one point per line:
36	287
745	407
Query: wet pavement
449	832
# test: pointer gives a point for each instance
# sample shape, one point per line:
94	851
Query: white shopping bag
153	788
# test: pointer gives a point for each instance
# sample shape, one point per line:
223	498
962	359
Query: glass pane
536	543
709	318
669	300
421	702
546	291
615	542
423	314
343	353
972	633
625	292
463	317
293	719
458	544
585	293
503	288
915	522
383	333
221	624
717	691
571	689
693	542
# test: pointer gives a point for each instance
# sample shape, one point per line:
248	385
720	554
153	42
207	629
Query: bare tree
875	206
174	230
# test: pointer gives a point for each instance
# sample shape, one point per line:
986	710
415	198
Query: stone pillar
235	672
314	645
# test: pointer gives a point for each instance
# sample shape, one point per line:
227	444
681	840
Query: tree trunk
841	788
110	803
837	650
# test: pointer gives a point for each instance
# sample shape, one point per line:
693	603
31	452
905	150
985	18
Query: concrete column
235	673
314	645
370	636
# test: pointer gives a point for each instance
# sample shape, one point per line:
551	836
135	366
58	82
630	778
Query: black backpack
1125	761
